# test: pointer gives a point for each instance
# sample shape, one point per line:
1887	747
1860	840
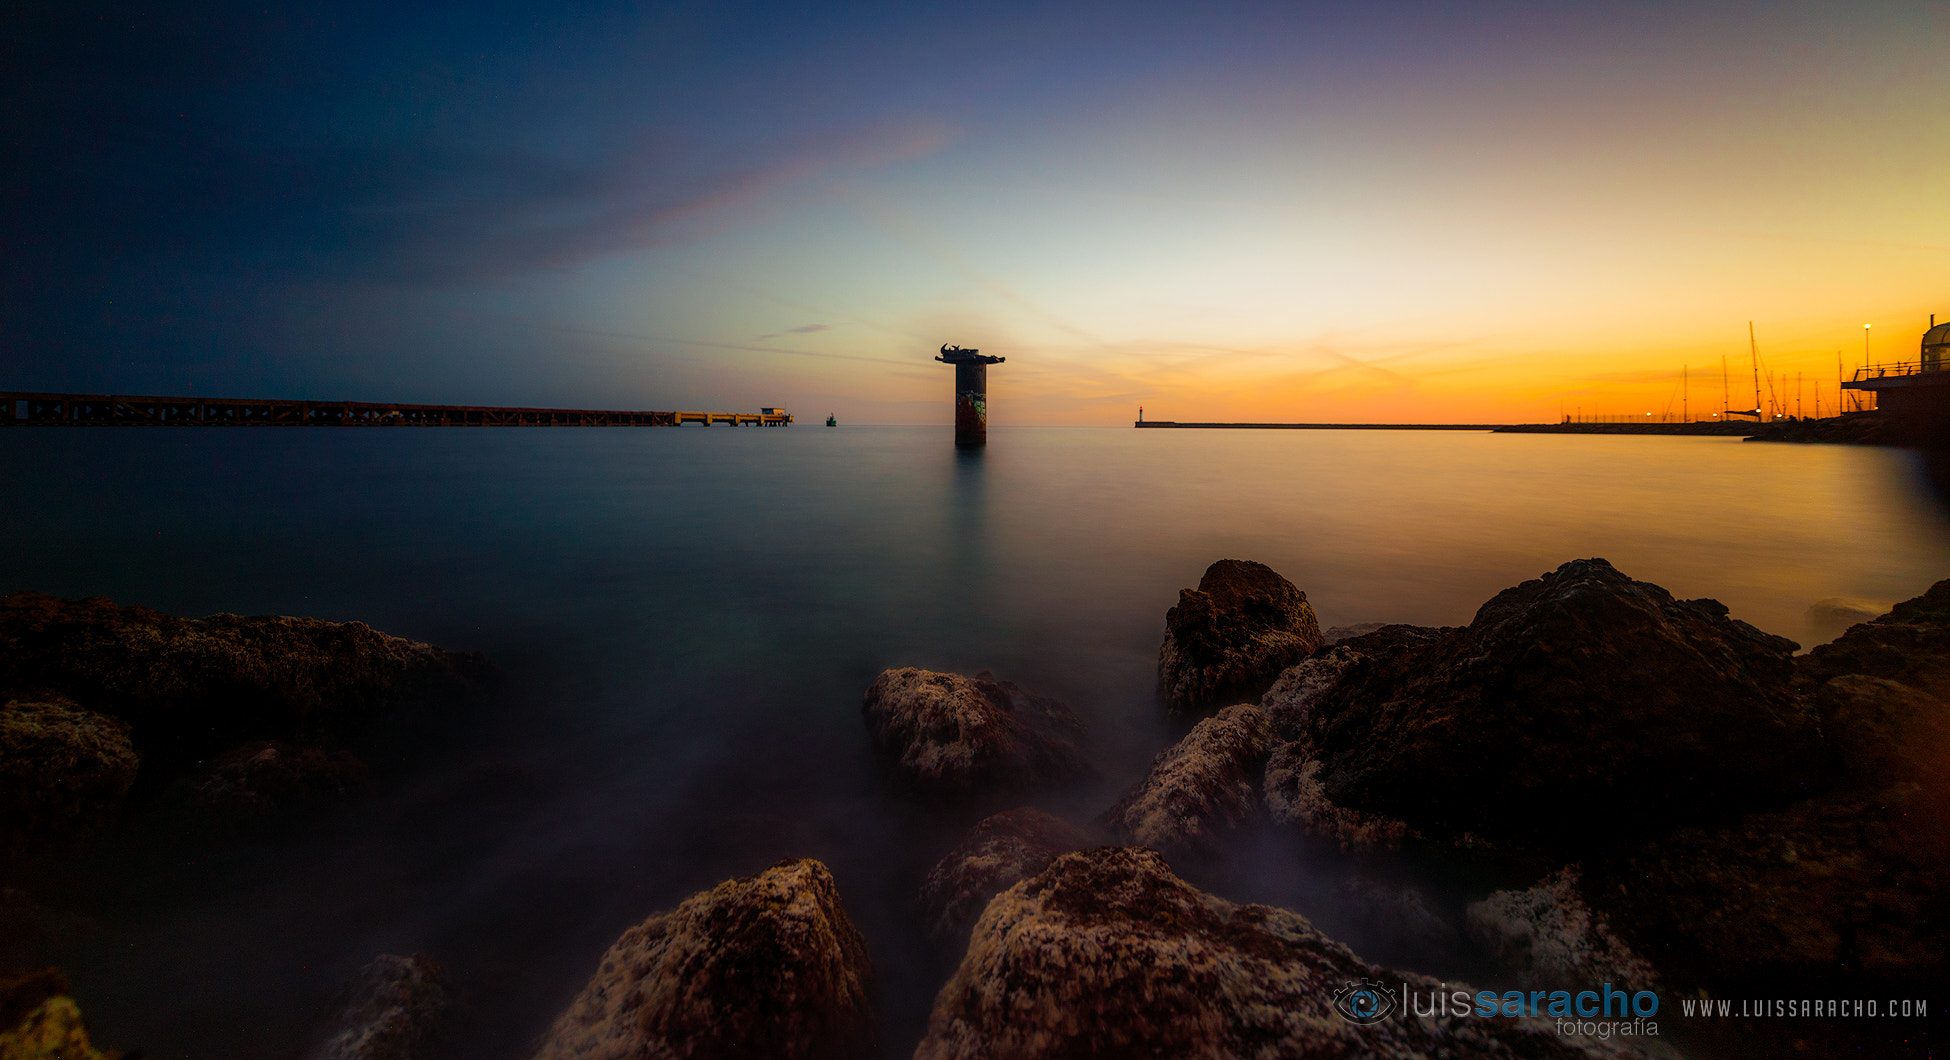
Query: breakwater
1328	426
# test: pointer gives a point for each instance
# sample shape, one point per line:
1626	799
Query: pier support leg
971	403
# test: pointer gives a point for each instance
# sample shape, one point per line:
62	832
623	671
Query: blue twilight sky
1397	212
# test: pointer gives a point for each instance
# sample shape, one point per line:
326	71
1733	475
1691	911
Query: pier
29	409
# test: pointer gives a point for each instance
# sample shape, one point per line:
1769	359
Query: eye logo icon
1364	1001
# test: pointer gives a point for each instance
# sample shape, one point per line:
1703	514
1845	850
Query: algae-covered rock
1299	686
63	773
760	966
1548	937
1228	639
946	734
39	1021
1296	797
392	1011
1106	953
1200	789
999	851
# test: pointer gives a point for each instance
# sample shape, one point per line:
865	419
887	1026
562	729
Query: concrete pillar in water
971	393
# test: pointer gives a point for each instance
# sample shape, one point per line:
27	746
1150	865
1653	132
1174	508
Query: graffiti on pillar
971	392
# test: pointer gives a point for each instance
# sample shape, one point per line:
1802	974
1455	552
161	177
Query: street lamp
1865	344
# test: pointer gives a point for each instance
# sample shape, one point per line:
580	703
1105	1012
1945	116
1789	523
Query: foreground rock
203	684
760	966
1228	639
1845	886
1573	706
1853	882
1881	730
1200	789
946	734
996	854
39	1021
1106	953
392	1012
63	773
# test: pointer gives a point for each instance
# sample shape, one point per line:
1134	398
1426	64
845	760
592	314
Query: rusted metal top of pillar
957	355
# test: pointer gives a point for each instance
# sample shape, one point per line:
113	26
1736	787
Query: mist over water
688	618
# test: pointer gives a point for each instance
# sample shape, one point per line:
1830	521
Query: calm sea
689	617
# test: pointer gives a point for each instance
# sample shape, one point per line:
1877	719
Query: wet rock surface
1227	640
761	966
1575	704
1200	789
945	734
392	1011
996	854
1107	953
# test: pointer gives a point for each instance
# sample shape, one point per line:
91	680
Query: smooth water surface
688	618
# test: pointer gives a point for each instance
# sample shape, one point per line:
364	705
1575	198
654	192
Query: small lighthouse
971	393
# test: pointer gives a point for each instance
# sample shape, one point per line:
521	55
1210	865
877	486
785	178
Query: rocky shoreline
122	719
1661	798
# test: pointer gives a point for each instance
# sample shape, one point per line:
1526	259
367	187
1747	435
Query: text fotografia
1816	1008
1602	1013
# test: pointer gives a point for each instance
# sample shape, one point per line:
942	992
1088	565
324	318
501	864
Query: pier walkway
21	408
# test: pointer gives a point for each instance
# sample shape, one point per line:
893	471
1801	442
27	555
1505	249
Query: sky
1469	212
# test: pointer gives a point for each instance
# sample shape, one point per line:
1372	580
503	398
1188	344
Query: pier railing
32	409
1884	371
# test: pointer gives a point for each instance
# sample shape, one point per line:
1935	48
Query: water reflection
697	613
971	561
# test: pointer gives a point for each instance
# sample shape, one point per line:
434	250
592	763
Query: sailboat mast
1685	396
1753	351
